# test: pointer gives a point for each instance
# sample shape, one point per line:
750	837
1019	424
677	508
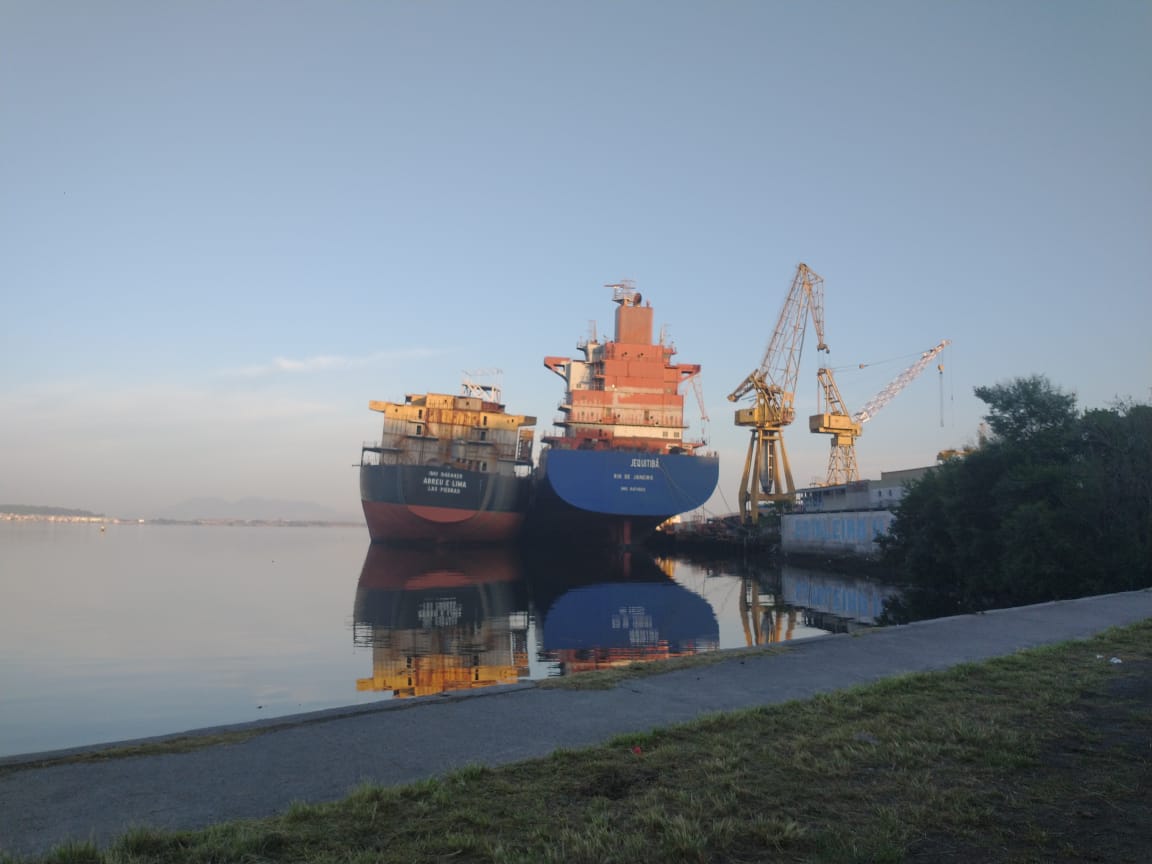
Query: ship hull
434	504
614	496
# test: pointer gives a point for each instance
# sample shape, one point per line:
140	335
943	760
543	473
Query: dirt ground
1089	800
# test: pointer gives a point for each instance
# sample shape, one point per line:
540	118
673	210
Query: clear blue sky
225	226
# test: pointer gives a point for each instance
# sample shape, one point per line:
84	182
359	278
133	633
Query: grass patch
1041	756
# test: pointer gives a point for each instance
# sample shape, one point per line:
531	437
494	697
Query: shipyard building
844	519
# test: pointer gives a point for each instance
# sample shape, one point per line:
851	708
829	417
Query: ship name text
653	462
445	482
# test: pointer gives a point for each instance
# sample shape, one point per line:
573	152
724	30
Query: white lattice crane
767	474
844	429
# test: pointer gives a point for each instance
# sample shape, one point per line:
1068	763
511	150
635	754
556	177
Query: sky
226	226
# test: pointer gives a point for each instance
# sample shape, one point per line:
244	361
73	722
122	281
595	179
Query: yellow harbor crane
767	474
834	419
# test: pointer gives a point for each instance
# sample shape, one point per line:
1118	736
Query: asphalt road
322	756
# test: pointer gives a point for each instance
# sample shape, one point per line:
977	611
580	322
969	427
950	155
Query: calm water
149	629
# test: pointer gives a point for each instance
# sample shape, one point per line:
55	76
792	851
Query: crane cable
940	369
876	362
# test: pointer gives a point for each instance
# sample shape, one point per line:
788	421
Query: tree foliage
1056	504
1026	409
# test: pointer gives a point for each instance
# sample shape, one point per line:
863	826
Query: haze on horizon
224	228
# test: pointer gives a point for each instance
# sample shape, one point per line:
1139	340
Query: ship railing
484	449
377	447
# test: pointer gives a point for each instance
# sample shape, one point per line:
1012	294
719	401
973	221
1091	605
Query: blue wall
839	533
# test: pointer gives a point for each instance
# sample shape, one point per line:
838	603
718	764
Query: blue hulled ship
620	463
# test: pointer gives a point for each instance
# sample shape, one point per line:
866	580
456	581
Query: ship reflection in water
617	609
446	619
440	620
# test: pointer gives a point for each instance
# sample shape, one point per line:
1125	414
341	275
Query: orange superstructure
624	393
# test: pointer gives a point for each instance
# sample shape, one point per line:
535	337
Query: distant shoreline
94	519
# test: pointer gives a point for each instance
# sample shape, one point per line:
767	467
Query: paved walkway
402	741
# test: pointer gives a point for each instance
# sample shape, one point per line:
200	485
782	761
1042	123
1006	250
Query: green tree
1055	505
1026	409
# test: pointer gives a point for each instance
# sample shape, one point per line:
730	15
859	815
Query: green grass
981	762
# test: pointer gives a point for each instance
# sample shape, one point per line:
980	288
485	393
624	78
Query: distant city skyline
225	227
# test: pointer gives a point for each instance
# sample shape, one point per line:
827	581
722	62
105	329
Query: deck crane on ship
767	475
834	420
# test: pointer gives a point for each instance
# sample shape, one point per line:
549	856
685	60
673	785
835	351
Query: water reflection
448	619
783	602
762	616
616	609
843	602
440	620
775	602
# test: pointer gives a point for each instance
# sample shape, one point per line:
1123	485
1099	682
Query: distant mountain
253	509
33	510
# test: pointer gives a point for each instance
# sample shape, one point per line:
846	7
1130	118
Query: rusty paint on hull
402	523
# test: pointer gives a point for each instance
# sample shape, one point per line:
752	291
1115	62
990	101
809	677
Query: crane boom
699	391
781	362
898	383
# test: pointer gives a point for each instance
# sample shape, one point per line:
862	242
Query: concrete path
402	741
